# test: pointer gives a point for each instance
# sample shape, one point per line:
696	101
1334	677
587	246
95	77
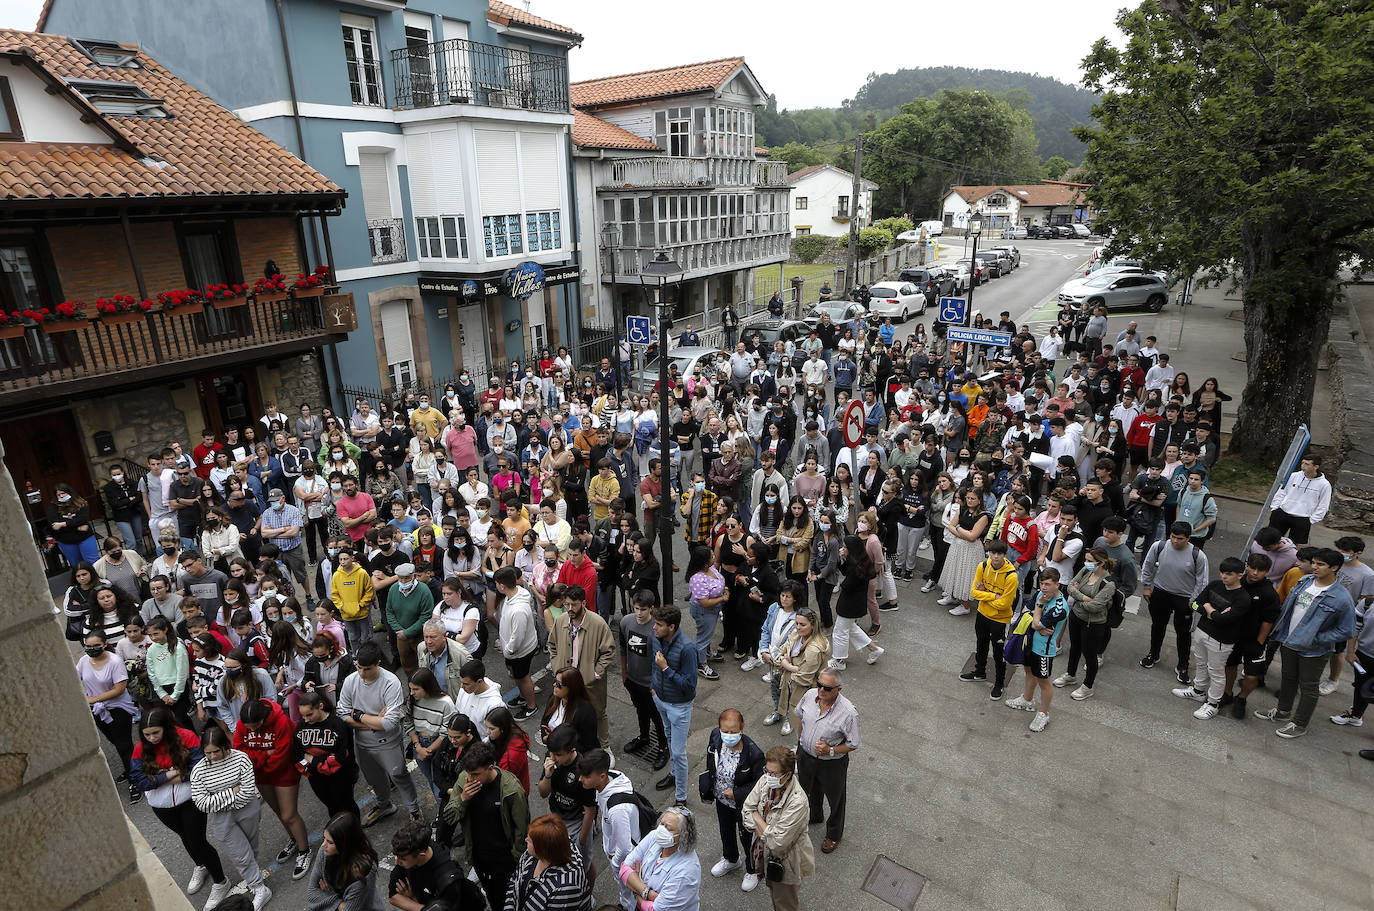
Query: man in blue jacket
674	685
1317	619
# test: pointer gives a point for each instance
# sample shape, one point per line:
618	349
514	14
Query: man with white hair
444	656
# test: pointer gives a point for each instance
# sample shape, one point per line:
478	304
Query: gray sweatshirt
1179	572
384	696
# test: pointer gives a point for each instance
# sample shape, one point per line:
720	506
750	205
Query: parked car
934	227
1063	231
1080	230
909	237
844	314
1039	232
995	262
932	281
786	330
1118	291
963	277
1013	254
980	270
686	360
897	299
1015	232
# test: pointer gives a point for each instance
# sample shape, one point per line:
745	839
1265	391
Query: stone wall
292	380
1352	389
142	421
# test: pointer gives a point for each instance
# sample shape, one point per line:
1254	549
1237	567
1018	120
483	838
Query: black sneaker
889	607
517	703
972	676
302	865
135	795
634	746
1238	709
1226	700
708	672
1149	661
996	693
1182	676
287	852
525	711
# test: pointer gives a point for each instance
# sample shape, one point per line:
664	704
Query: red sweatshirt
1139	433
585	576
269	748
1022	537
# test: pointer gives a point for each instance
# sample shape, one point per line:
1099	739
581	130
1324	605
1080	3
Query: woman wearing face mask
965	552
219	539
1112	443
382	486
124	569
777	810
1090	597
824	570
105	682
110	609
223	787
734	763
69	520
243	683
663	869
79	598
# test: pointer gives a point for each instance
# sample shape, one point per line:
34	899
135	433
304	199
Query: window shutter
372	171
447	174
539	171
497	171
420	171
396	332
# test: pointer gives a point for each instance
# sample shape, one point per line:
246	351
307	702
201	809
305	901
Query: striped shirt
426	716
208	674
213	783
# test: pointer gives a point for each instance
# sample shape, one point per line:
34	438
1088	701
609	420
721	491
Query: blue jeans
427	769
87	551
132	533
677	719
426	495
706	621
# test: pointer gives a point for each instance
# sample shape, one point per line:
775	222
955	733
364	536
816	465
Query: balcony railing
841	213
664	171
459	71
41	364
386	238
710	255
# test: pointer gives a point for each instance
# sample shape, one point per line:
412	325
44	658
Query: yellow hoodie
351	592
995	590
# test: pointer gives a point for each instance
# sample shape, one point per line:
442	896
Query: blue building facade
447	122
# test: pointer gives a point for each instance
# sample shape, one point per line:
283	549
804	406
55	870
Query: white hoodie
620	824
517	631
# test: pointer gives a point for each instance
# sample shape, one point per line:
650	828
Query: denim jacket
677	683
766	642
1328	624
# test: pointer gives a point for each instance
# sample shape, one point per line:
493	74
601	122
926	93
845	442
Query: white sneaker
197	882
750	883
218	893
768	677
1064	680
1083	692
261	896
1327	686
837	664
875	654
772	718
1347	718
959	611
786	727
1101	662
752	663
1017	702
928	587
925	544
1039	721
1187	692
1206	711
946	601
724	866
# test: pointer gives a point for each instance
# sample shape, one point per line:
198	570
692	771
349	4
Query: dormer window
120	99
10	128
108	53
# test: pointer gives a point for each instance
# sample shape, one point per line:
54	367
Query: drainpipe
295	107
577	246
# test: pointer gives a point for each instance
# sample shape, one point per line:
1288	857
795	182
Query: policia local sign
520	282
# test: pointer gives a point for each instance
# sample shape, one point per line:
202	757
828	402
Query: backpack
1211	529
1159	552
483	630
1116	611
648	816
1141	517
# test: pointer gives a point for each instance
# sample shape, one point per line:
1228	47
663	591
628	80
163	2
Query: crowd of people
319	597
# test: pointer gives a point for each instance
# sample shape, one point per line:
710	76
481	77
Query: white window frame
362	32
441	237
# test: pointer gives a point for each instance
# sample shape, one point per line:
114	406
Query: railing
711	254
42	359
665	171
841	213
386	238
459	71
375	395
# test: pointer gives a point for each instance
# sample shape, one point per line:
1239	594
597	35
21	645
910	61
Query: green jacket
408	613
515	813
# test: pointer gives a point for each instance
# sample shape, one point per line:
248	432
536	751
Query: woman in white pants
859	573
223	787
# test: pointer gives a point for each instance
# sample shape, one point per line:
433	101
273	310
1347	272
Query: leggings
119	730
1085	641
336	793
941	548
823	592
189	825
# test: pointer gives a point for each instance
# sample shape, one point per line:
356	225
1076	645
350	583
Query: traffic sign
852	427
952	310
980	337
637	330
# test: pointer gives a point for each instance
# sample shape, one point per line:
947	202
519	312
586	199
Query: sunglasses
828	688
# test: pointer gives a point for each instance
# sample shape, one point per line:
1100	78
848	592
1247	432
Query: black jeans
495	878
1086	640
941	548
119	730
825	780
990	633
189	825
733	834
732	618
1360	703
1164	606
336	793
646	711
1296	528
823	592
316	529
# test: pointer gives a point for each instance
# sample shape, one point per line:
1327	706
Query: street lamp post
975	228
657	275
610	242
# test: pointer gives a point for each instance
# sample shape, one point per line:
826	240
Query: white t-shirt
1303	604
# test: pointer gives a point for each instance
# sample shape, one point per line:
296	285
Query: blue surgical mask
1089	565
699	486
770	499
825	526
731	740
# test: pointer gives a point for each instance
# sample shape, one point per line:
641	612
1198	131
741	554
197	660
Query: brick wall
261	239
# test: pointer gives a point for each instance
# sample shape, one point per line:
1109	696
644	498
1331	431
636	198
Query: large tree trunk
1290	290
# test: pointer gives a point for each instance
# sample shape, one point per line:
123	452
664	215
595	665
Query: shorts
519	668
1038	666
1251	655
288	777
490	584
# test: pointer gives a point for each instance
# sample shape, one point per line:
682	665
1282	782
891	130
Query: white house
1003	205
821	202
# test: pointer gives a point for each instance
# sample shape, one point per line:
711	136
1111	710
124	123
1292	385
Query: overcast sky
800	50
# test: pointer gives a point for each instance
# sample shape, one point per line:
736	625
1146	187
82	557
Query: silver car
1120	291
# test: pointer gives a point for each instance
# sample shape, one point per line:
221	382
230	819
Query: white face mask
662	837
771	781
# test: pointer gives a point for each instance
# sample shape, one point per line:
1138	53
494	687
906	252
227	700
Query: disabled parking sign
952	310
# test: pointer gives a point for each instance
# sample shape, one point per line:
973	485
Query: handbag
773	868
1014	652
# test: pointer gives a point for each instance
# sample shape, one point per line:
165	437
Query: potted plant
223	296
13	323
273	288
65	317
314	284
183	300
120	309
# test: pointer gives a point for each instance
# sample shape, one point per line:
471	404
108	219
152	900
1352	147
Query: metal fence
375	395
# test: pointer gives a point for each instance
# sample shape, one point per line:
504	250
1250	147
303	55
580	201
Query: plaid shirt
288	516
706	519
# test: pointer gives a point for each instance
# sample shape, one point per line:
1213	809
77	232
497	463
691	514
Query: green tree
796	155
874	240
1055	166
1229	145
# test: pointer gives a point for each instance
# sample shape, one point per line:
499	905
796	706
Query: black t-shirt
436	879
188	517
387	562
1264	608
567	797
485	812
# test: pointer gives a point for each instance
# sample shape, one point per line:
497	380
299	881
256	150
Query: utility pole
853	265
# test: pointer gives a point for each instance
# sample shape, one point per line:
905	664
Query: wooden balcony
96	355
665	172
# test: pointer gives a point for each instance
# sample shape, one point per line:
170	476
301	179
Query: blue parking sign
637	330
952	310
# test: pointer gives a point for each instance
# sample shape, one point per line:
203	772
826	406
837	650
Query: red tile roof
201	150
591	132
1034	194
505	14
674	80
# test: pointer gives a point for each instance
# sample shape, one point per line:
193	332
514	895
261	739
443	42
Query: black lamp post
975	228
610	242
657	275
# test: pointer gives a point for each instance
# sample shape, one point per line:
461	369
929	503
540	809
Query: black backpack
648	815
1116	611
